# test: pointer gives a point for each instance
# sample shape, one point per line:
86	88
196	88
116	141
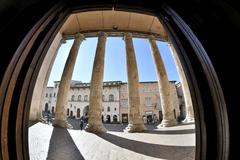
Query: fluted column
64	86
186	92
164	86
135	123
95	105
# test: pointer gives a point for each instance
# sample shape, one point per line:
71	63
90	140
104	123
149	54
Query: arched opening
196	53
115	119
71	114
79	98
108	119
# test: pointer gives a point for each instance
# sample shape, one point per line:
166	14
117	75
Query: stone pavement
172	143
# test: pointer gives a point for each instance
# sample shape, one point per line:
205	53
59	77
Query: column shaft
95	105
135	118
64	86
185	88
42	80
164	86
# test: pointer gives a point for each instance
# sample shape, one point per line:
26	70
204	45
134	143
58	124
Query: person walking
81	124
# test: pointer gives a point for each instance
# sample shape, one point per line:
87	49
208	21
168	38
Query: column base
188	120
167	123
61	124
95	128
131	128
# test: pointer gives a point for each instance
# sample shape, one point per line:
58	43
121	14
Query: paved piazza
172	143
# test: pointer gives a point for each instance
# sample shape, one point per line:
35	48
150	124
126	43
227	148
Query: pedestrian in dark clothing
81	124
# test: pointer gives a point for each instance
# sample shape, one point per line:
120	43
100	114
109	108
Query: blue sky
115	60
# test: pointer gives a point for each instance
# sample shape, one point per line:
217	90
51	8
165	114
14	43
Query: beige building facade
150	103
115	101
78	100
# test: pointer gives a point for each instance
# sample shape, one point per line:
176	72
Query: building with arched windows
115	101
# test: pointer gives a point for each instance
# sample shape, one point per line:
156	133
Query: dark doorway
124	118
108	119
149	119
115	120
160	116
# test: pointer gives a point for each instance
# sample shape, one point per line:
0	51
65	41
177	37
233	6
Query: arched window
52	109
103	98
46	95
50	95
79	97
78	112
108	109
86	98
111	98
72	97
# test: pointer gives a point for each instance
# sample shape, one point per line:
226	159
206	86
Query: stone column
186	92
164	86
42	80
135	123
95	105
64	86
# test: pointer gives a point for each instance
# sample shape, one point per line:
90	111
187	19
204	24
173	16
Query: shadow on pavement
153	150
184	131
62	146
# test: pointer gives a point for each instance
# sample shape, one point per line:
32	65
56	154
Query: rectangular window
148	101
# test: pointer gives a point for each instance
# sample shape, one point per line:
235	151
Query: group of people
150	119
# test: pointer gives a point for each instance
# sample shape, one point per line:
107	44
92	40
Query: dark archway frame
212	138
